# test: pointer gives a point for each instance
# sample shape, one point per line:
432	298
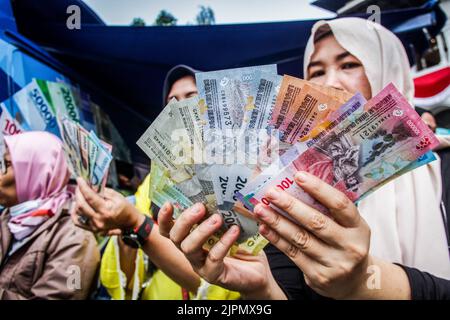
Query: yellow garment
142	196
159	286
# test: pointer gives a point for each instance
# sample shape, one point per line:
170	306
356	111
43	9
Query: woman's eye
350	65
316	74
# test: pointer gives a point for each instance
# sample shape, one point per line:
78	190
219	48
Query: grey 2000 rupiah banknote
170	141
158	143
188	124
252	140
226	98
188	119
225	95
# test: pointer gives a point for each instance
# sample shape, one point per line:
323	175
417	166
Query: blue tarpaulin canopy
126	66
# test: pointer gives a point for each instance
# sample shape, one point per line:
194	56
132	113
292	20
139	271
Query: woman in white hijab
404	216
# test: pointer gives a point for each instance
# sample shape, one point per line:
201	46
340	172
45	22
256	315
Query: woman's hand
250	275
332	251
106	214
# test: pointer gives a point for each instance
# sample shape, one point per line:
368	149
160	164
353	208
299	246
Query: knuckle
301	239
292	251
275	220
341	202
186	248
274	237
321	280
309	282
345	269
314	186
357	252
289	203
173	237
213	256
318	221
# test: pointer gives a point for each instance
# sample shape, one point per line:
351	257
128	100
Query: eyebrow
314	63
342	56
187	94
339	57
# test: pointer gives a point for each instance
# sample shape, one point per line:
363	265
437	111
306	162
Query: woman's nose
332	80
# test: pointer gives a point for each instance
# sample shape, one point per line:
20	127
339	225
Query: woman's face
331	65
183	88
8	192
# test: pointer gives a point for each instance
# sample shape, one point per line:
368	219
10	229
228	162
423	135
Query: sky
122	12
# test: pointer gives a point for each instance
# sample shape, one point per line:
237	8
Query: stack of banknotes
250	129
87	156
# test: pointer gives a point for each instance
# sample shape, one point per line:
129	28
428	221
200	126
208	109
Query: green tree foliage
165	18
138	22
205	16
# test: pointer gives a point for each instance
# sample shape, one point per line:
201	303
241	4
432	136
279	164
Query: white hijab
404	215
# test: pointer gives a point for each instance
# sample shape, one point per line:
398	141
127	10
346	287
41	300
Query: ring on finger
83	219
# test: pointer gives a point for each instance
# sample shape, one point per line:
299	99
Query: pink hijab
41	174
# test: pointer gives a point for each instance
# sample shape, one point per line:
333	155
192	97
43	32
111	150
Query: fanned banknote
340	118
226	95
61	99
32	110
387	137
227	101
160	146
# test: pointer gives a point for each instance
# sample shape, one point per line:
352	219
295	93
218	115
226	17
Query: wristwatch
136	237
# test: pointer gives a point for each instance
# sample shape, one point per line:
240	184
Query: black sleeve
444	154
288	276
425	286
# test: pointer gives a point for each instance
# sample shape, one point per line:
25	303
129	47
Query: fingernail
165	207
259	210
273	193
213	219
301	176
197	208
234	229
